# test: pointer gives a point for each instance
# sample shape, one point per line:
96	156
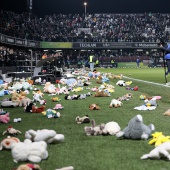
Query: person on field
92	60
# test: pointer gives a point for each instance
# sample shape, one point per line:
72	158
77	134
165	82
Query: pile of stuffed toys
34	148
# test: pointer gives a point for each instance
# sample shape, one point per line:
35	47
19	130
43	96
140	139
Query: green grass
98	152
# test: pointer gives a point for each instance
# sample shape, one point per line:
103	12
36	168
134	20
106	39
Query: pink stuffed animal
4	118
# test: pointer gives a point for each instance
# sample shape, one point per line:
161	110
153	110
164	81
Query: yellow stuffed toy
159	138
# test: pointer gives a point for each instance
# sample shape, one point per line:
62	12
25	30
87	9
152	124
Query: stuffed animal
121	83
7	142
159	138
55	99
29	167
167	113
94	130
94	107
84	119
101	93
161	151
29	151
58	107
82	96
136	129
11	131
49	136
111	128
4	118
39	109
151	102
28	107
73	97
66	168
24	101
115	103
51	113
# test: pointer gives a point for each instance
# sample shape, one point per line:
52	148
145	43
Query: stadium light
85	4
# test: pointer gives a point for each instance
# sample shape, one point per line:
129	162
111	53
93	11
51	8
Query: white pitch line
149	82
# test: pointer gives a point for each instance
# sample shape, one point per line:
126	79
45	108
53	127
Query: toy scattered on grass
9	104
7	142
17	119
136	129
159	138
121	83
28	107
167	113
28	167
66	168
51	113
3	112
29	151
49	136
94	107
94	130
84	119
82	96
58	107
4	118
55	99
115	103
161	151
142	97
73	97
36	109
101	93
125	97
11	131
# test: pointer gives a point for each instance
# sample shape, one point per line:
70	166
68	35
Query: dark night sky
42	7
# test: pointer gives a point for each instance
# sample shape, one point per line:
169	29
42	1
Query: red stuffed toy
38	109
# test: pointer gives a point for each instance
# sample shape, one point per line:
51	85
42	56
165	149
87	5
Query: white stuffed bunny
49	136
28	150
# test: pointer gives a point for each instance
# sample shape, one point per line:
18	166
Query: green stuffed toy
136	129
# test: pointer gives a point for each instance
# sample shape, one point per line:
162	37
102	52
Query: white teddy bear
49	136
28	150
111	128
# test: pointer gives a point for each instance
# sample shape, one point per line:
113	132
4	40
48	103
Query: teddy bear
39	109
24	101
121	83
115	103
49	136
50	113
29	151
28	107
136	129
111	128
28	167
4	118
161	151
84	119
94	107
101	93
94	130
167	113
7	142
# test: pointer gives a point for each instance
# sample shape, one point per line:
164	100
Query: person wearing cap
92	60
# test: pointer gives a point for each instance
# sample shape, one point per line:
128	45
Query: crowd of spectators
20	58
146	27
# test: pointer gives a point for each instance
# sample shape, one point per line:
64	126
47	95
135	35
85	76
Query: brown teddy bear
94	107
100	94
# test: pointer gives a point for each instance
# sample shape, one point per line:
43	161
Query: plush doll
115	103
51	113
167	113
136	129
29	151
121	83
39	109
94	130
101	94
94	107
49	136
55	99
9	104
159	138
161	151
24	101
111	128
58	107
4	118
151	102
84	119
11	131
66	168
73	97
82	96
28	107
29	167
7	142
